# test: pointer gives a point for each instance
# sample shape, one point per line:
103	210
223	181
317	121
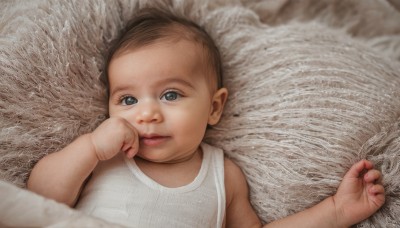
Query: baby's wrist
339	213
91	146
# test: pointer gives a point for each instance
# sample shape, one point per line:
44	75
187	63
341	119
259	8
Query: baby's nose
149	112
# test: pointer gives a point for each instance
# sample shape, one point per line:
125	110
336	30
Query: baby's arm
61	175
239	212
357	198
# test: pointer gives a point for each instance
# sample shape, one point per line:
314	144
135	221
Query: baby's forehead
183	53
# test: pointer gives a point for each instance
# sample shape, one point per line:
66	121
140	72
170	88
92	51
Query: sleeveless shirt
120	192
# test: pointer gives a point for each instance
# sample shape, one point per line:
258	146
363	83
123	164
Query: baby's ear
217	106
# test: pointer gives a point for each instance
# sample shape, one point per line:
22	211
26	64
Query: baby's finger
377	193
357	168
131	146
130	149
131	152
372	175
376	189
130	134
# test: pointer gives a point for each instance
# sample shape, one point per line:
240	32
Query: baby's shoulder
231	167
235	180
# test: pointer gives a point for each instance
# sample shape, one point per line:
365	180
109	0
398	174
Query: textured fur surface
314	87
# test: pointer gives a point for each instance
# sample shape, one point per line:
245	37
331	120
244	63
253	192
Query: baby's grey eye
129	100
170	96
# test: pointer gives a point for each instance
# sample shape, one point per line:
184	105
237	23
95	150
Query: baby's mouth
153	139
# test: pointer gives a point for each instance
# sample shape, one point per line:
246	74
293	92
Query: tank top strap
217	163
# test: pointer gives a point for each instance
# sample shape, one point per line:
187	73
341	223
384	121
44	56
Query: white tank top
120	192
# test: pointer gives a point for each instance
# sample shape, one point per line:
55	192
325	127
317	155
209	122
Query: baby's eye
129	100
170	96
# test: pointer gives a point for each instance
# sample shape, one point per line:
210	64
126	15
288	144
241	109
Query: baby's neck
173	174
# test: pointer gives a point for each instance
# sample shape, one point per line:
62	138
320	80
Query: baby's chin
153	159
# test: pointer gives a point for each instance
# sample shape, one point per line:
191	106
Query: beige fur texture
314	87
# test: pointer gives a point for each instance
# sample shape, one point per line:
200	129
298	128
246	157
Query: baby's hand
113	136
359	195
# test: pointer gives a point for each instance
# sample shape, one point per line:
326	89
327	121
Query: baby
146	166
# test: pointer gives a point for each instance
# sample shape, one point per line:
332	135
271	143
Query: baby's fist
113	136
360	194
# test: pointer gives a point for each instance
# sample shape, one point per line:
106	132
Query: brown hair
151	25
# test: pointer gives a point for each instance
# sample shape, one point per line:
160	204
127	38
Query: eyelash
121	100
179	95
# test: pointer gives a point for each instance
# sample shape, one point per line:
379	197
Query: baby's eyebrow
176	80
117	89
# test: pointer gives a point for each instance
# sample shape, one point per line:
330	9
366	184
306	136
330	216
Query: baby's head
165	78
153	26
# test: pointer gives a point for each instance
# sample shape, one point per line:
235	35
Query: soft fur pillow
306	101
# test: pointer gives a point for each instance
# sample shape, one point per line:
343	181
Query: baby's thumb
131	152
131	144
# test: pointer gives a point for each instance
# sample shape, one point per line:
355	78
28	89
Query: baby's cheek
189	123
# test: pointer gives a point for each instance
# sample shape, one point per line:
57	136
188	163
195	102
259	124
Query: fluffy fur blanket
314	87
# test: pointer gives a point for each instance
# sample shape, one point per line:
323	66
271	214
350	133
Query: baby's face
163	91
